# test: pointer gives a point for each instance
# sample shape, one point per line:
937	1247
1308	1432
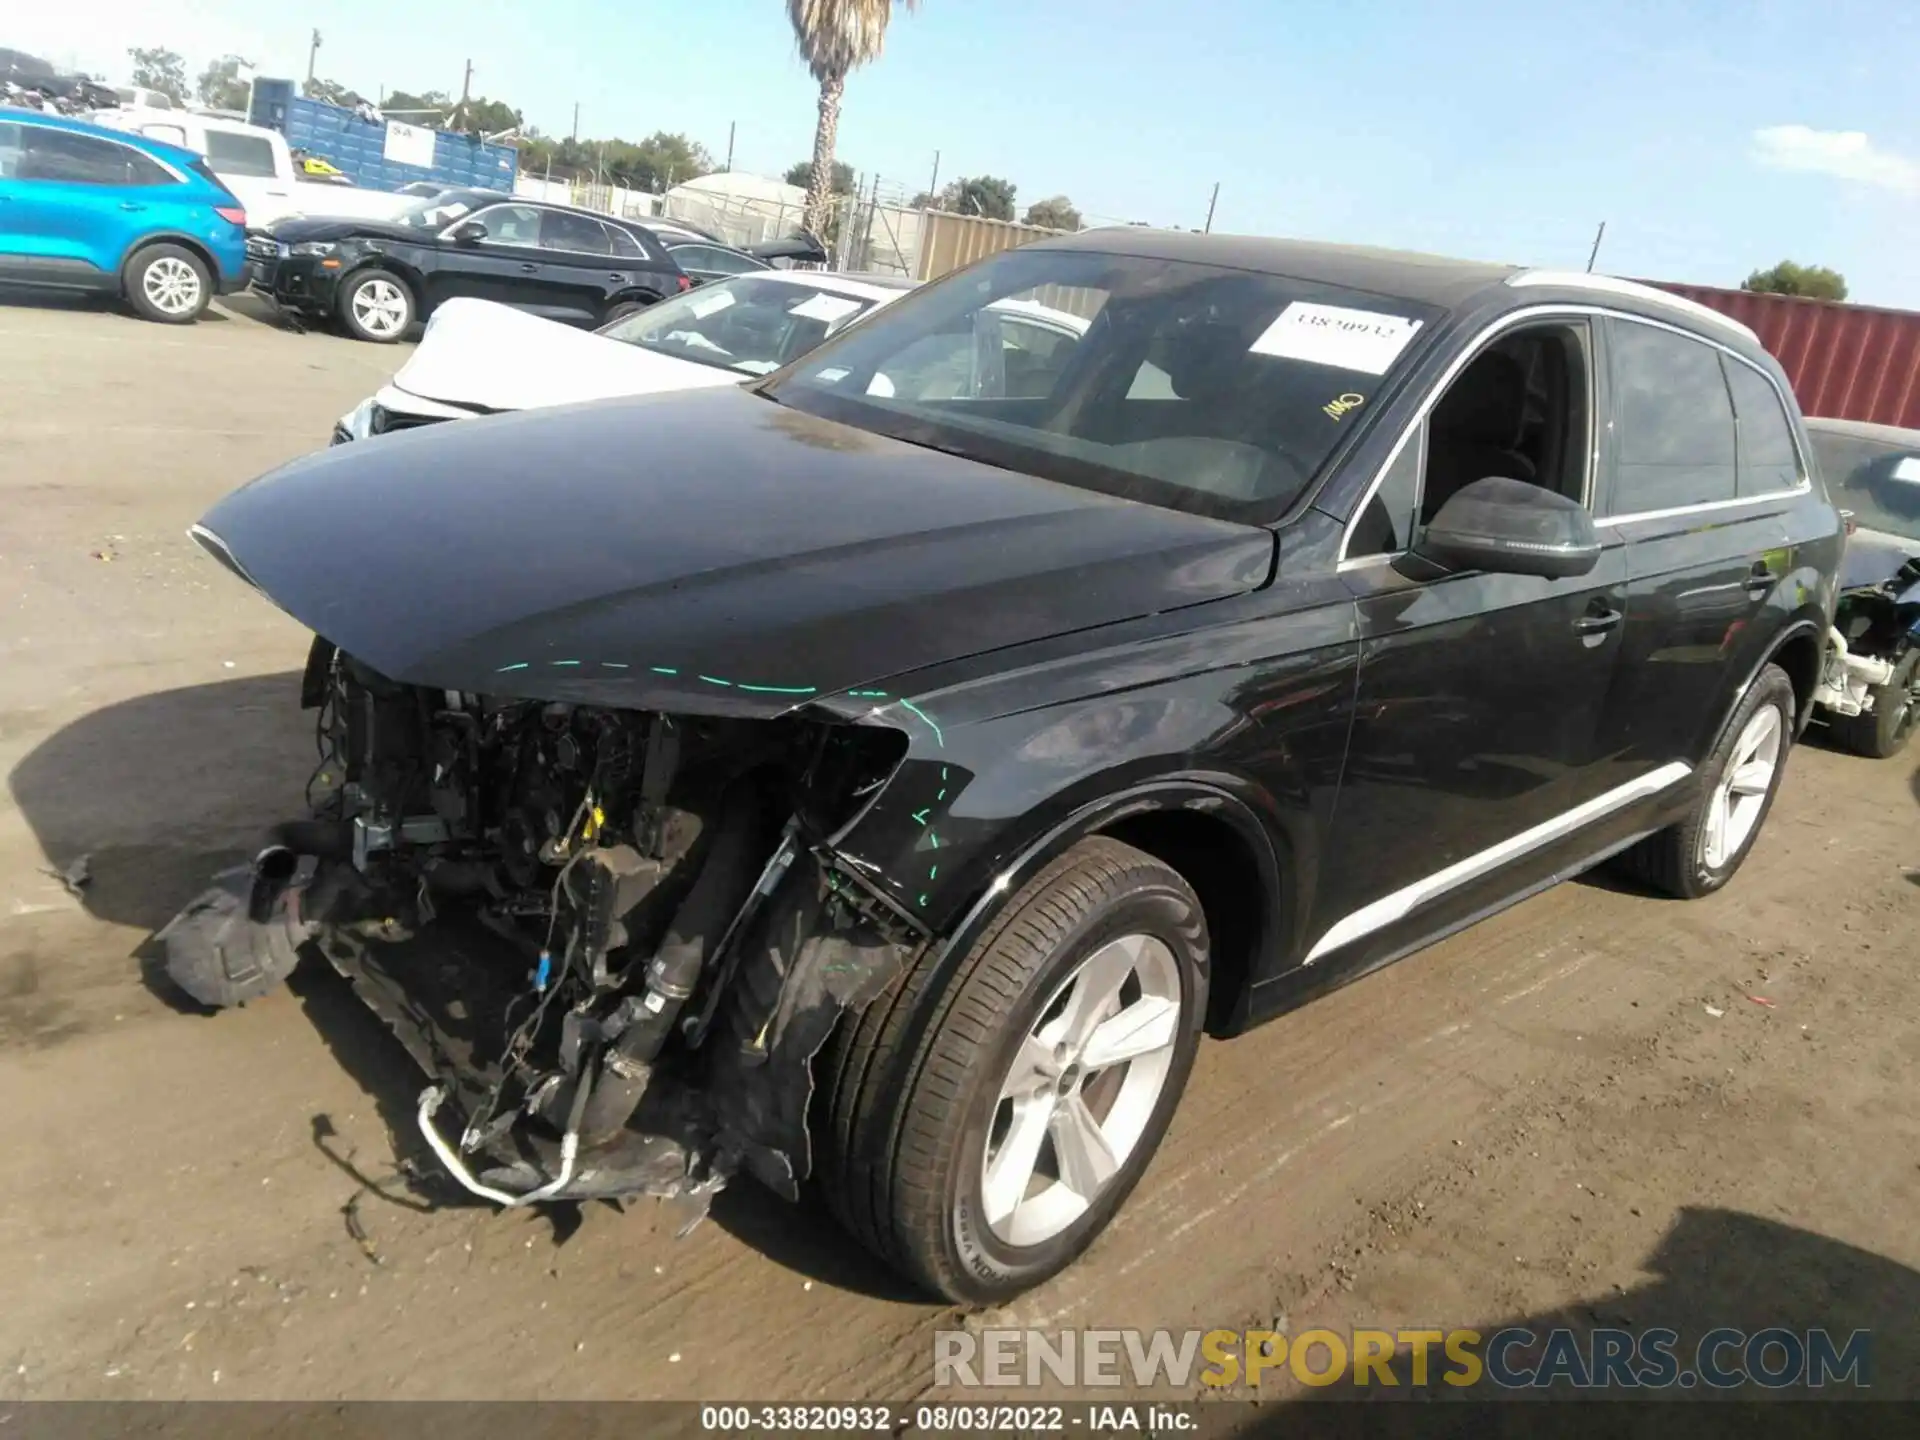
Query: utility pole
729	165
1595	253
1210	204
313	52
933	185
576	120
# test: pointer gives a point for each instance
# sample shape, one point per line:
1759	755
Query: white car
256	165
477	357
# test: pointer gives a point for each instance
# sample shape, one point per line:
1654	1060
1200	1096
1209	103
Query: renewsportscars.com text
1512	1358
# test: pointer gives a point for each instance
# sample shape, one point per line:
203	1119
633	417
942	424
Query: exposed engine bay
614	940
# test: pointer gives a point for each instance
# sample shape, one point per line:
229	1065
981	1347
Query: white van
256	165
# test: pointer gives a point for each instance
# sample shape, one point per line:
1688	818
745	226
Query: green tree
1816	282
160	69
331	91
1055	213
801	173
835	37
429	108
986	195
221	85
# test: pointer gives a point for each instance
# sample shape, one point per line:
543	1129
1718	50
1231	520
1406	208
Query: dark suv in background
376	277
887	770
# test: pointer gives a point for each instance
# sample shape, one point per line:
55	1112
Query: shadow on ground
161	792
1714	1270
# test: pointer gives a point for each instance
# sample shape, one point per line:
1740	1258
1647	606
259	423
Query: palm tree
835	37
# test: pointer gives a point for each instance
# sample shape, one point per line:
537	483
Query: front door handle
1599	619
131	205
528	268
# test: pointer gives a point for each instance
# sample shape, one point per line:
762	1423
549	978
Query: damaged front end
613	939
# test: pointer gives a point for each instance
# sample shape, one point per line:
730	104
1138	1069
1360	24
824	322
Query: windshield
752	323
1878	480
433	213
1191	386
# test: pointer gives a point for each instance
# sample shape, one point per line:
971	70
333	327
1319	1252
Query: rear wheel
376	305
979	1138
1737	786
169	284
621	309
1884	730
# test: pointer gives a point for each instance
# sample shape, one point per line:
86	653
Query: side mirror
1509	527
470	232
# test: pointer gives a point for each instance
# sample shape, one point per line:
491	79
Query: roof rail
1613	285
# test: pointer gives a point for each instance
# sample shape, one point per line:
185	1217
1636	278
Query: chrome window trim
1613	285
1378	914
1547	312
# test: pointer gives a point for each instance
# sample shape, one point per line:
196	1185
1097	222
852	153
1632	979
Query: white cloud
1843	154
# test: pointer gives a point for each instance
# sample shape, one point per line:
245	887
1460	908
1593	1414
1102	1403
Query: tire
621	309
1684	860
1883	731
167	284
376	305
911	1088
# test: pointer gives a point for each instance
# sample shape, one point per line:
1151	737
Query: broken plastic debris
1715	1011
1762	1000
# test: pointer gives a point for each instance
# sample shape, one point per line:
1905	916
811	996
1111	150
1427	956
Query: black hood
706	550
298	230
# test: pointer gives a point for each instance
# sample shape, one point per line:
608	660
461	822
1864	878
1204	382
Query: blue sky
1713	136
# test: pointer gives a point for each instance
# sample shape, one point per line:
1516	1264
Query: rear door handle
131	205
1598	621
1760	579
528	267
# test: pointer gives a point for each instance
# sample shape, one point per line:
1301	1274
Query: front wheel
169	284
1883	731
376	305
980	1137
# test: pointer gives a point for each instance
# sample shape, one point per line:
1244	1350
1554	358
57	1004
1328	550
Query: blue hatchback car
90	209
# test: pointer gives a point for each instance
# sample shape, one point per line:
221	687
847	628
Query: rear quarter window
1768	459
233	154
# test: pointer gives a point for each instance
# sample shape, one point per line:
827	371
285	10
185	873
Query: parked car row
91	206
911	717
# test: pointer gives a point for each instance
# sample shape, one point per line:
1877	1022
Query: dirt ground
1597	1108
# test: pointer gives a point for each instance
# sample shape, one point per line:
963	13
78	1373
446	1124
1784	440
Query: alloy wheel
380	308
1744	785
171	285
1081	1089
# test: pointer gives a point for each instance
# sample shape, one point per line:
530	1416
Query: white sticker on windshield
709	302
1907	471
1334	335
828	377
825	308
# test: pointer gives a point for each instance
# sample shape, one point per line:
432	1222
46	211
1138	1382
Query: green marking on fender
938	739
712	681
772	689
664	670
505	668
920	817
563	662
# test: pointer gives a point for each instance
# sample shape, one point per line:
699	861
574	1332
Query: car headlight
313	247
356	424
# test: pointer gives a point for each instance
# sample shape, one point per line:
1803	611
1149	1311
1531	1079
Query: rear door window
1673	421
235	154
82	160
575	234
10	149
1768	460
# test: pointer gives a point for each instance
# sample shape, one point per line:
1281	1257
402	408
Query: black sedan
378	276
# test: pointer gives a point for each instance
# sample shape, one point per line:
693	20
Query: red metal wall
1850	362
